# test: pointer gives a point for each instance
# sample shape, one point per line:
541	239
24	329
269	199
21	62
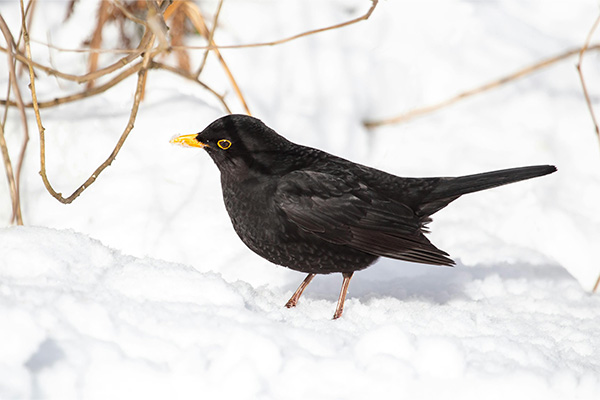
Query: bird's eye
224	144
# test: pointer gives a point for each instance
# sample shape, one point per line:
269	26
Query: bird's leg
340	304
294	299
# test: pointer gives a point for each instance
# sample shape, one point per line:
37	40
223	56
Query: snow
141	289
85	320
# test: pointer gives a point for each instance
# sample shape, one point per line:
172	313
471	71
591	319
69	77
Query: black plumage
311	211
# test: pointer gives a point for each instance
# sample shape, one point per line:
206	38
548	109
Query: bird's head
237	142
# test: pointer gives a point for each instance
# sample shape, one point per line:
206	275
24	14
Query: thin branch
197	19
141	78
29	12
117	79
92	75
191	77
96	41
9	171
587	96
583	85
14	179
177	33
480	89
127	14
244	46
157	25
83	50
90	92
297	36
211	35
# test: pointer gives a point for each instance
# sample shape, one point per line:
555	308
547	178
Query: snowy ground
141	289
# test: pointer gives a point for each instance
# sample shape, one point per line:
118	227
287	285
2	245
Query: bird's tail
450	189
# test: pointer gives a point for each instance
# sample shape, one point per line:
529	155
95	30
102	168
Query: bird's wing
344	211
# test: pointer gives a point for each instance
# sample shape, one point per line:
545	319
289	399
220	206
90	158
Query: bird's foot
296	296
292	302
338	312
340	304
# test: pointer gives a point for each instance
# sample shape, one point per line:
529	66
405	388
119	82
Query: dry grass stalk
596	285
363	17
13	178
587	96
210	38
178	19
137	98
583	85
155	31
480	89
197	19
103	14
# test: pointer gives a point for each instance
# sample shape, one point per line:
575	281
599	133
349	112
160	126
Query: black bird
313	212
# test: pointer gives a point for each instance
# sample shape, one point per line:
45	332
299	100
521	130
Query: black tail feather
450	189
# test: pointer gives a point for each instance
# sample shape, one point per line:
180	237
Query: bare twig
29	12
480	89
81	50
197	19
128	14
14	179
211	34
156	24
89	92
153	31
103	14
363	17
91	75
191	77
248	45
587	96
9	171
583	85
141	78
117	79
177	32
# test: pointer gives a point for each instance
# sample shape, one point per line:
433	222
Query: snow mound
81	320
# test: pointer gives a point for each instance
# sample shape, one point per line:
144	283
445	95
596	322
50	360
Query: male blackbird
311	211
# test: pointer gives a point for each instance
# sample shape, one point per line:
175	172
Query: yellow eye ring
224	144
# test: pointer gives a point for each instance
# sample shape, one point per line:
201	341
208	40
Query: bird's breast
254	216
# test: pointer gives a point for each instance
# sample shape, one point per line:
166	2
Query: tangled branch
155	42
417	112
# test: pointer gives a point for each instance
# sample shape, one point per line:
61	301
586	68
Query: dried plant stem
14	178
89	92
81	95
9	172
363	17
177	38
191	77
239	46
137	98
587	96
29	12
103	14
117	79
155	30
480	89
127	14
197	19
211	34
89	76
583	85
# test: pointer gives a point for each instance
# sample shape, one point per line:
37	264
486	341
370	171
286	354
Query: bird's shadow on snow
439	285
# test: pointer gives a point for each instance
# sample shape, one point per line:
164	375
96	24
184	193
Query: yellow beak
188	140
